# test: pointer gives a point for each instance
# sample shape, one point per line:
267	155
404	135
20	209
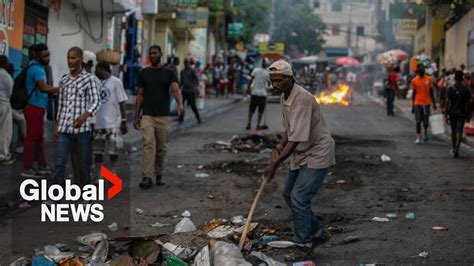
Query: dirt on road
421	179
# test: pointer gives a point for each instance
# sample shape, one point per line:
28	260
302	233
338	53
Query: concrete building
84	24
351	26
174	28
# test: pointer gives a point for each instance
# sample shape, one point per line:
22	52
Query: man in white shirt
111	120
258	86
6	122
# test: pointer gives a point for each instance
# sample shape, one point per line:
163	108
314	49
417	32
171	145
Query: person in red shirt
423	97
393	78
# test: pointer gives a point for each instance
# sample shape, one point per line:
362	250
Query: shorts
422	113
107	140
257	101
457	124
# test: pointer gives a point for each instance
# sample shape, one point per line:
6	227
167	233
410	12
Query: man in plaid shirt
78	100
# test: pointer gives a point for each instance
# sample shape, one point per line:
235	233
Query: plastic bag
223	253
185	226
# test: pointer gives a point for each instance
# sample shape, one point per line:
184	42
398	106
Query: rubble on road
256	142
380	219
214	244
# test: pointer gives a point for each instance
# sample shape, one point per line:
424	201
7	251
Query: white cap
89	56
281	67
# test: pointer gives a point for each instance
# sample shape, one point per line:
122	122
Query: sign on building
236	29
179	3
404	26
192	18
271	48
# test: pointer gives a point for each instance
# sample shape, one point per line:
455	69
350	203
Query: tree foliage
298	27
295	23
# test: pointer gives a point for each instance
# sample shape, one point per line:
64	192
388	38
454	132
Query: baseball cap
89	57
281	67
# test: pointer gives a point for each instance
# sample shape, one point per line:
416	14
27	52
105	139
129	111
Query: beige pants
155	143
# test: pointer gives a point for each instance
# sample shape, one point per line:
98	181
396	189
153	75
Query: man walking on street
393	78
189	84
307	138
154	84
110	119
258	87
458	111
78	101
6	119
37	87
423	97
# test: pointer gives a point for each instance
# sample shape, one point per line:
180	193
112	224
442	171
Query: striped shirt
77	95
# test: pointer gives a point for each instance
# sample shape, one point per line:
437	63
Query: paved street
423	179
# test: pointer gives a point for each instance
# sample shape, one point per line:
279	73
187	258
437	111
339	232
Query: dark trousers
190	97
390	99
83	146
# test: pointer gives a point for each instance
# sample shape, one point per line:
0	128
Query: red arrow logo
112	178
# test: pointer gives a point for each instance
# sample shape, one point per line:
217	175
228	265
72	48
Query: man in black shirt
153	98
189	83
457	111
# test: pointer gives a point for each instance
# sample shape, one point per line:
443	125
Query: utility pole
226	28
349	30
272	20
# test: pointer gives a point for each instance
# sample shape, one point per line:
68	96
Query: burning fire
337	97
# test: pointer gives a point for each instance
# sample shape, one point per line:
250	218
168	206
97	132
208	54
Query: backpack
20	96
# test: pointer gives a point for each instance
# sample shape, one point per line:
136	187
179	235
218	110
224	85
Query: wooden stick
252	210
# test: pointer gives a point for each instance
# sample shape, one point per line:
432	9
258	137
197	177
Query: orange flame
337	97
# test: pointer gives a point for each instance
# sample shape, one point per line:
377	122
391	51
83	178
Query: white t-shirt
111	94
260	82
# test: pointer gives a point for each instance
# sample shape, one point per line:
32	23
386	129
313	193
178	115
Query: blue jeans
82	143
301	187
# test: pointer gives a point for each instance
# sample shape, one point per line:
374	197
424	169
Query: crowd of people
88	113
452	91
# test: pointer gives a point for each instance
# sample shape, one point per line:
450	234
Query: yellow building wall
438	30
456	42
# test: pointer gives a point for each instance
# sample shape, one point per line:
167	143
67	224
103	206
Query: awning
330	52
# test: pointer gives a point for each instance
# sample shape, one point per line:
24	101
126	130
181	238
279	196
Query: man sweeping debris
307	138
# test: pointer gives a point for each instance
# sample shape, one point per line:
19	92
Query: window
360	31
336	6
335	30
316	3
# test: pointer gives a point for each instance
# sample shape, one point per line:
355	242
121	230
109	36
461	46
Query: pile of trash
220	238
256	142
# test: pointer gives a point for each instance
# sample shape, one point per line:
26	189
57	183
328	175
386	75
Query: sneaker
44	170
146	183
159	181
451	152
417	141
300	253
321	237
8	160
426	137
19	150
30	173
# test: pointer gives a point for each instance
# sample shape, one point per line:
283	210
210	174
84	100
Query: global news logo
84	203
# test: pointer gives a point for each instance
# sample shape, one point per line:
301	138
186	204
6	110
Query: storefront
11	30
